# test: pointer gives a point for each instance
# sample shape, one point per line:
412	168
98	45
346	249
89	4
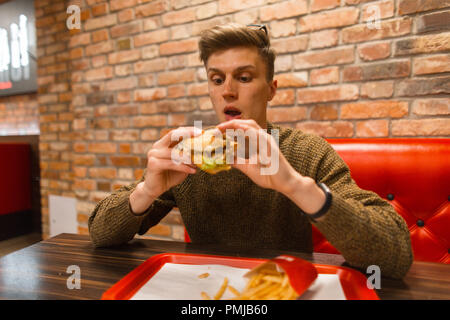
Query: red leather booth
414	176
15	189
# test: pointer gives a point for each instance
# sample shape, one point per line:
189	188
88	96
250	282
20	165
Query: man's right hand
162	171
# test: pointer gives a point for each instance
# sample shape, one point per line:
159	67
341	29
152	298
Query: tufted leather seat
414	176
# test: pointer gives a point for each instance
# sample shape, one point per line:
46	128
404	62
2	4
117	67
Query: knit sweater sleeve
362	226
112	222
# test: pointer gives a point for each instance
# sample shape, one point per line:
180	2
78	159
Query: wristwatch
326	205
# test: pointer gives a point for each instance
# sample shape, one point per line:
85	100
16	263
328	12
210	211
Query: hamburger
209	151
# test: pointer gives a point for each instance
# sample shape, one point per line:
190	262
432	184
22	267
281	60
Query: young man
242	207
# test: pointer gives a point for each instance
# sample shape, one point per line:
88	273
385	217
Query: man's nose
229	89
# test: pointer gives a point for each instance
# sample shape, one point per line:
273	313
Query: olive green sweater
229	209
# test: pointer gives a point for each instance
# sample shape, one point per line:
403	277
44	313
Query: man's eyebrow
248	66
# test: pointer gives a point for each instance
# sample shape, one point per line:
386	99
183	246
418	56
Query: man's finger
175	136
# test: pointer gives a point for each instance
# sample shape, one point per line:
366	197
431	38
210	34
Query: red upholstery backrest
15	177
414	175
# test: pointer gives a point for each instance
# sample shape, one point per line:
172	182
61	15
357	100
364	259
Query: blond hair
232	35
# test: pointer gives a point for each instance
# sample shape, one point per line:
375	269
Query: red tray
354	283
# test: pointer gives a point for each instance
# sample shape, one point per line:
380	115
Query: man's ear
273	89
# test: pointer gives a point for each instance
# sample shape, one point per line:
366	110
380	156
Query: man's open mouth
232	113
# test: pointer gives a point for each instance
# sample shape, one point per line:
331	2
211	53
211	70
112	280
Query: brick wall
132	72
19	115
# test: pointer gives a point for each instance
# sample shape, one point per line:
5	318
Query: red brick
80	40
422	127
147	80
176	91
100	35
329	19
126	15
126	29
153	8
286	114
418	87
124	135
424	44
335	129
376	51
378	71
180	105
151	37
178	17
325	38
351	2
388	29
227	6
120	84
149	135
431	107
198	89
124	56
290	44
206	11
372	129
318	5
352	73
297	79
125	161
177	120
105	173
150	121
99	9
84	159
99	48
323	58
150	65
175	47
413	6
99	74
327	93
121	4
100	22
123	110
324	76
285	9
378	10
171	77
283	28
324	112
432	64
379	89
437	21
102	147
283	97
374	109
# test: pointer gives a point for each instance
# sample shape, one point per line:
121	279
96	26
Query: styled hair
233	35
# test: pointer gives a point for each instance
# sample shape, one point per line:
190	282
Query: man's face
238	85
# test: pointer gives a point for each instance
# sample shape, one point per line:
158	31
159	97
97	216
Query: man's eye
217	80
245	78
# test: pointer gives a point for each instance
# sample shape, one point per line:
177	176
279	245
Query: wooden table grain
40	271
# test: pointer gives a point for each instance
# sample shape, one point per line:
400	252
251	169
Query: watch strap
326	205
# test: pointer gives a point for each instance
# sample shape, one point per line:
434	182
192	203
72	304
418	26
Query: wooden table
39	271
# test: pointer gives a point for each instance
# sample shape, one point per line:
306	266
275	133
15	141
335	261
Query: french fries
266	284
203	275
